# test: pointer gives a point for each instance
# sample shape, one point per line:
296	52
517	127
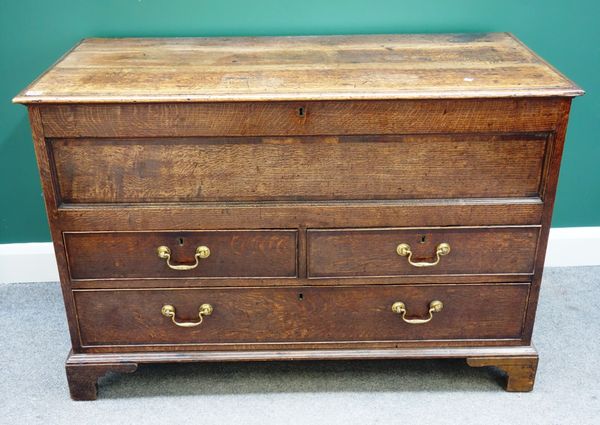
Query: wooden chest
347	197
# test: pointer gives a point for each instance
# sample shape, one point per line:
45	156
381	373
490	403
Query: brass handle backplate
404	250
169	311
400	308
165	253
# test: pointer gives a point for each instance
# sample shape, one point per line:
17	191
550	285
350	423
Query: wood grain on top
297	68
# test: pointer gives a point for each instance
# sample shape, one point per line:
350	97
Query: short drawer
427	251
378	167
300	314
186	254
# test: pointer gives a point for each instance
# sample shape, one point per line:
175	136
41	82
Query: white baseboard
573	246
28	262
35	262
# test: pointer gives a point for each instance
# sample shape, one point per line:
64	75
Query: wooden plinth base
84	370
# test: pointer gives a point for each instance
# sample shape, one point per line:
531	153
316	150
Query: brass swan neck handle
164	252
400	308
168	310
404	250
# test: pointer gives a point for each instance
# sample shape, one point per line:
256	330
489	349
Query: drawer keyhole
301	111
422	239
300	296
180	241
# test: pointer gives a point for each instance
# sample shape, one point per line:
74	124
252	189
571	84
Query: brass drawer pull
165	253
434	307
404	250
169	311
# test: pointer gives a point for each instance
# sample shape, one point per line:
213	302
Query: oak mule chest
283	198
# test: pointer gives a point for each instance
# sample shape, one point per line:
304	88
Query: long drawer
300	314
380	167
185	254
421	251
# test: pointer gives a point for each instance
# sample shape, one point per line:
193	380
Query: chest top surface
103	70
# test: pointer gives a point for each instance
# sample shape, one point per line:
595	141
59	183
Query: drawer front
300	315
231	253
298	168
375	252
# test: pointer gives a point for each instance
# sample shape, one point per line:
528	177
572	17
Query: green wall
33	34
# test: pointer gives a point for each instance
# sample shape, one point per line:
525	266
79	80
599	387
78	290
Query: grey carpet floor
33	388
